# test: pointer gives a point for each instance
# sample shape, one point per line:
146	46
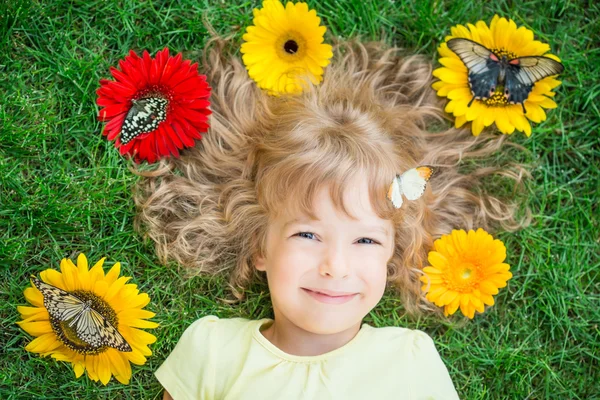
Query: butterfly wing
395	193
86	327
60	304
111	337
483	66
523	72
144	116
94	329
414	181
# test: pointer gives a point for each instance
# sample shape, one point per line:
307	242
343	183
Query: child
294	189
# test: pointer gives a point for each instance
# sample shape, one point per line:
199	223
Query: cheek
373	270
288	265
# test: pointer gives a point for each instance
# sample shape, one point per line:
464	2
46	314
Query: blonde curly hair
374	113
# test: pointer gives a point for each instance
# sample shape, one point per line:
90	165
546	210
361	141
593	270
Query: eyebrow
379	229
300	221
366	227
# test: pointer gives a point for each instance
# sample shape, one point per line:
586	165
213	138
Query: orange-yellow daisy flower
504	38
284	47
466	270
116	301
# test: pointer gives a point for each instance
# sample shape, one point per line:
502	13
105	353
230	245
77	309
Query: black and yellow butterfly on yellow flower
89	325
488	71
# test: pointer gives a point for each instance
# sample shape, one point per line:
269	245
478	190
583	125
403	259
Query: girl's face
344	259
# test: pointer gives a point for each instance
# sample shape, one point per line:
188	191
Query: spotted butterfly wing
90	326
523	72
144	116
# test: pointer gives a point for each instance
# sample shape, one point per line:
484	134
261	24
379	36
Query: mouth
329	297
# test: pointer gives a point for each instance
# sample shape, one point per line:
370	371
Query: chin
327	324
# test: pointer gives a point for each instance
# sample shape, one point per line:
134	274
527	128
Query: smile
330	298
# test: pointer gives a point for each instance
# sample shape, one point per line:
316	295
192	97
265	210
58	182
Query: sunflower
285	46
466	270
155	106
503	38
119	303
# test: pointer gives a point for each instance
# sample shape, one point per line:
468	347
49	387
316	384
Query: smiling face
343	258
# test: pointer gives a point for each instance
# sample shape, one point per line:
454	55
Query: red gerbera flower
155	106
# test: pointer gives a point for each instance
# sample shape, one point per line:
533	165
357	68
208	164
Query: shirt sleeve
187	372
431	378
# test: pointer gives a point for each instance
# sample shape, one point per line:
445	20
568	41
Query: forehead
333	203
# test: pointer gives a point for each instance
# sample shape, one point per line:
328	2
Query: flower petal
119	366
68	270
503	122
437	260
37	328
114	273
450	76
477	126
33	313
44	343
103	368
34	296
115	287
79	369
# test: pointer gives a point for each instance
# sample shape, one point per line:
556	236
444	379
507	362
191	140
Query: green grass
64	190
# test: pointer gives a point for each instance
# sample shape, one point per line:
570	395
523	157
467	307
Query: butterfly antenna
524	110
471	102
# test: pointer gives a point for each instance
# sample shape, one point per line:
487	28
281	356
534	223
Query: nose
334	263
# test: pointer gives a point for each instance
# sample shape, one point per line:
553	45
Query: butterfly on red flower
155	106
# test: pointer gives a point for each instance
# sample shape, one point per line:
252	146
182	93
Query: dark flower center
291	47
67	334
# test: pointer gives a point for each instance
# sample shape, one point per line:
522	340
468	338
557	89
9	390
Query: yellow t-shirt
231	359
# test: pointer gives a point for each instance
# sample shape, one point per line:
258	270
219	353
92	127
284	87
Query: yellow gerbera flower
504	39
119	303
284	46
466	270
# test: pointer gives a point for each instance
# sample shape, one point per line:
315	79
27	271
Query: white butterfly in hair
411	184
89	325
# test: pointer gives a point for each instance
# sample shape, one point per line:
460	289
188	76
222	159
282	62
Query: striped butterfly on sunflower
89	324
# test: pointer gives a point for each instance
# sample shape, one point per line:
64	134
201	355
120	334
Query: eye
306	235
367	241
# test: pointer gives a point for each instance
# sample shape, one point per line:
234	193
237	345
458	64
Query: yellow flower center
466	273
464	278
497	99
504	53
291	46
67	334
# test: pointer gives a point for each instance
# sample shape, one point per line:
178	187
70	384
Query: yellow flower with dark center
466	270
503	38
284	47
112	299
